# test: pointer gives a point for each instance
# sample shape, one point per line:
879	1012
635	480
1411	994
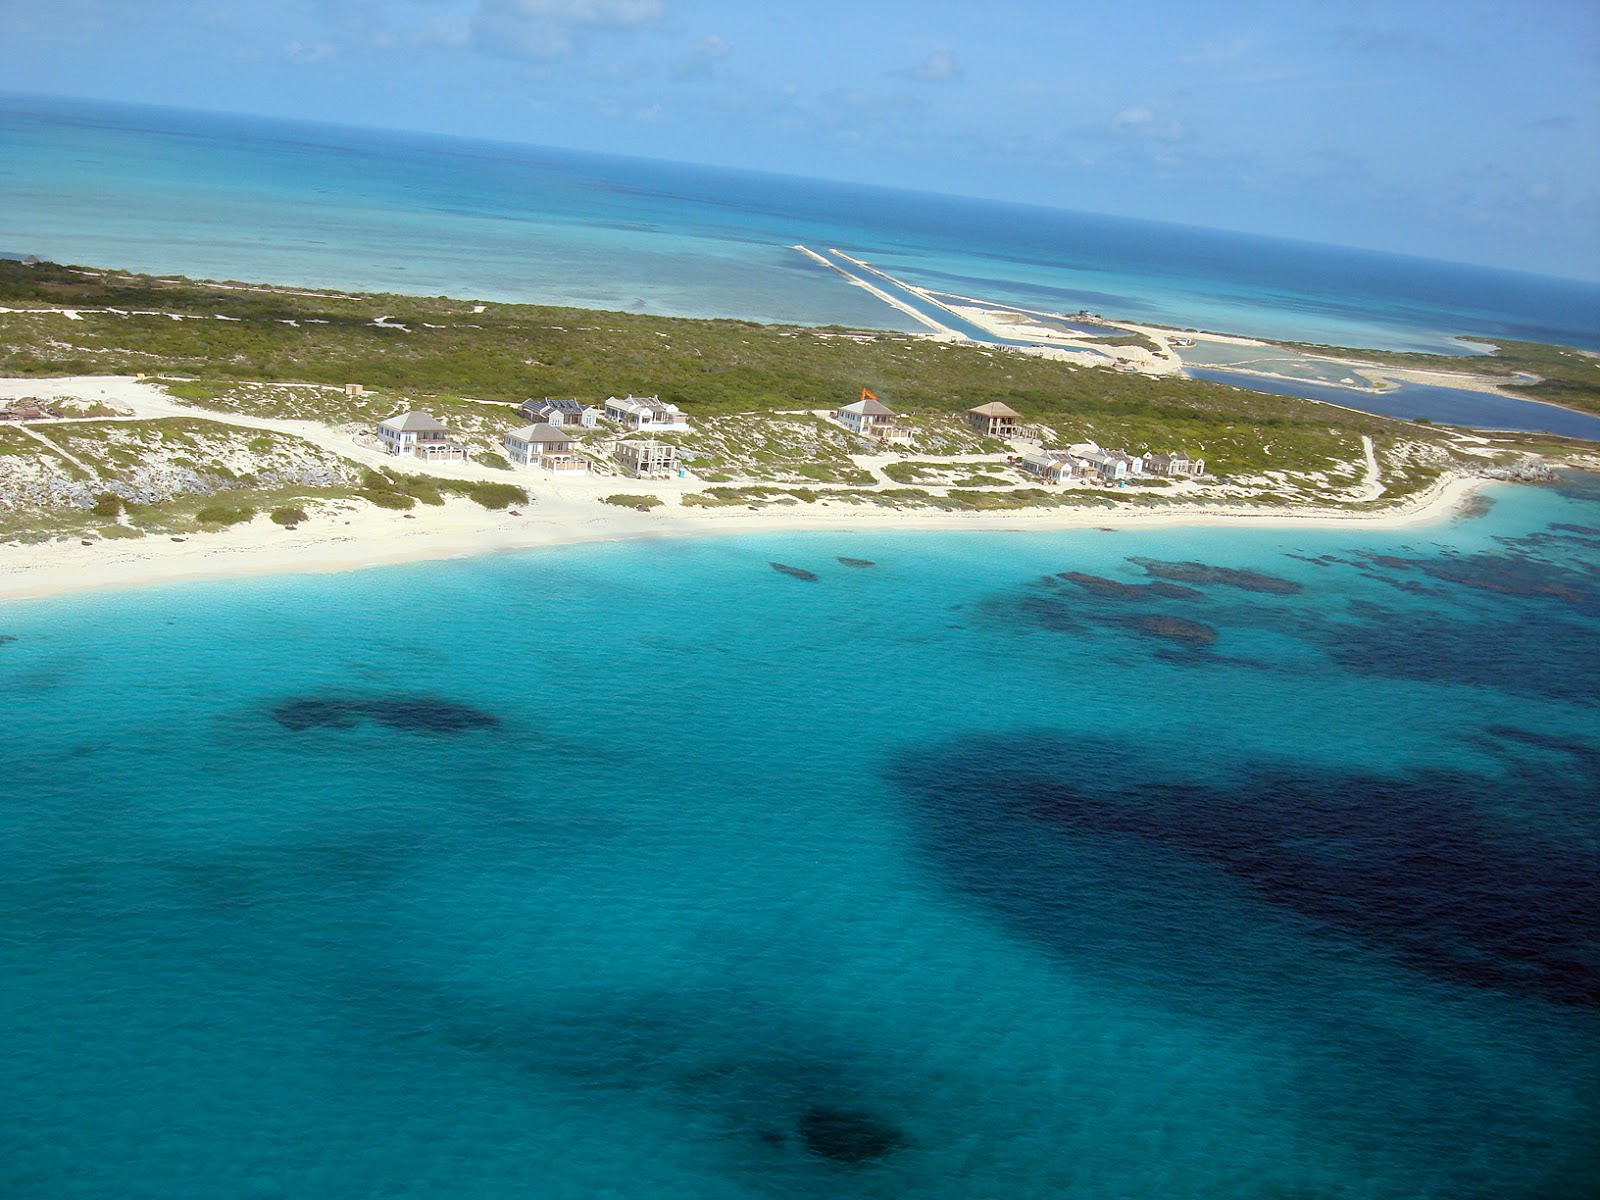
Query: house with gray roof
560	412
870	417
1175	465
645	412
546	446
419	435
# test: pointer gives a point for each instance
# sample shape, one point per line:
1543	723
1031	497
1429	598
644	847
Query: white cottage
545	446
869	417
645	412
419	435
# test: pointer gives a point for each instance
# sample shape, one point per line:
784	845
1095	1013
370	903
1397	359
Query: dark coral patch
1112	589
1418	865
1173	629
796	572
7	638
845	1135
857	562
410	714
1234	577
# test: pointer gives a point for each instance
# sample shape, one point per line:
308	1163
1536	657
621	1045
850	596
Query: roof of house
549	405
540	433
994	409
414	422
870	408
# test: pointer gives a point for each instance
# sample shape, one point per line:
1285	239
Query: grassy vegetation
446	354
623	500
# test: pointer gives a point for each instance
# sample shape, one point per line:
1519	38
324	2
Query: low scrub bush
496	495
221	514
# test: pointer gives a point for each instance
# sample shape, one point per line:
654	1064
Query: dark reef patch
1234	577
7	638
1111	589
1402	643
1173	629
844	1135
1416	865
408	713
796	572
1581	530
857	562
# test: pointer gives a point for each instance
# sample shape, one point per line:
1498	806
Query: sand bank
362	536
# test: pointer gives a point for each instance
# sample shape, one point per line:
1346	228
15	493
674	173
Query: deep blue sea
245	198
1208	863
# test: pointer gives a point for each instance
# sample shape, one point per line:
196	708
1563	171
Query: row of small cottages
552	442
1087	460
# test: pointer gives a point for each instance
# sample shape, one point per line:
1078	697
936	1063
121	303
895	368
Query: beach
349	535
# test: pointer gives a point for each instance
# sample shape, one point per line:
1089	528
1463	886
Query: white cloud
548	28
701	61
1144	122
938	67
303	55
1135	117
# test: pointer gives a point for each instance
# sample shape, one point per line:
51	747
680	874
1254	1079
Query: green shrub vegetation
623	500
496	495
222	514
288	516
383	498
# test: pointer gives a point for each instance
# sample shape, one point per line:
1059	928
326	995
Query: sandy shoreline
368	537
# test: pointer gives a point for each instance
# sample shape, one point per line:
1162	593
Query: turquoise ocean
246	198
1214	862
1225	863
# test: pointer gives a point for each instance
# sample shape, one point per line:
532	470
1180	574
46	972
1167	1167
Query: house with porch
1175	465
648	459
1052	466
645	412
1109	466
419	435
994	420
560	413
546	446
870	417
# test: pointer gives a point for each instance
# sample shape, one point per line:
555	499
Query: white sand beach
352	535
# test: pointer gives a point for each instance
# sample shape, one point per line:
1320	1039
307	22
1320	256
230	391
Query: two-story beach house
994	420
645	412
419	435
545	446
647	459
870	417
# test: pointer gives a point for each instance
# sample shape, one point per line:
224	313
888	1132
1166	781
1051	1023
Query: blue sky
1466	130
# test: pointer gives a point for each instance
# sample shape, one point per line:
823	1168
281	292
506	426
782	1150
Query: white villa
546	446
419	435
645	412
647	459
560	413
870	417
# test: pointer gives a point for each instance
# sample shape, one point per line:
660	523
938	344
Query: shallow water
282	202
644	869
